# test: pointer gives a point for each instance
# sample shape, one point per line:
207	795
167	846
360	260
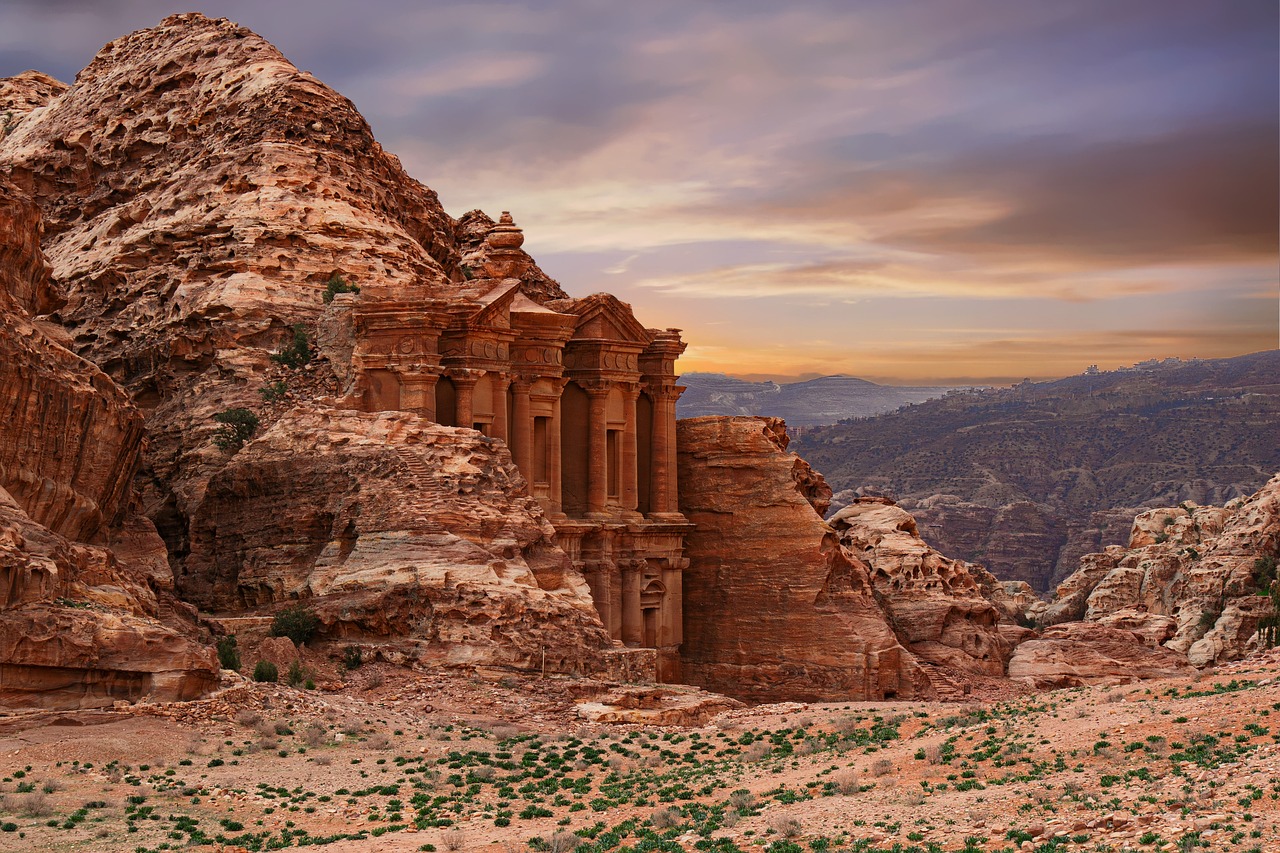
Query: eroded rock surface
198	192
943	608
390	527
81	625
1186	581
774	606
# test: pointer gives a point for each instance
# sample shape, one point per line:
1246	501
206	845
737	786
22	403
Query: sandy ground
401	760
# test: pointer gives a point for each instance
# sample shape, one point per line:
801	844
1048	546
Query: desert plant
337	284
274	391
299	623
266	671
298	351
352	657
228	655
237	427
295	675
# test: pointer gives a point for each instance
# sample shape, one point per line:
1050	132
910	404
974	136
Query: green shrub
295	675
1264	573
266	671
274	391
352	657
337	284
298	352
299	623
237	427
228	656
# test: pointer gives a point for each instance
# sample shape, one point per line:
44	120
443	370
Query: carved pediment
604	317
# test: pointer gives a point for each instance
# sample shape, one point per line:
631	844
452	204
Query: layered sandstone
198	192
393	528
81	625
775	607
1186	580
945	610
1080	653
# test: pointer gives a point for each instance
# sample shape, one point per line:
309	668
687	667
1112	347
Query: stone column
673	604
597	449
661	471
499	427
418	393
669	416
464	382
555	459
630	490
632	617
521	439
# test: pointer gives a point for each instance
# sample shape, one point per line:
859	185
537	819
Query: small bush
266	671
296	676
228	656
298	352
274	391
299	623
337	284
237	427
352	657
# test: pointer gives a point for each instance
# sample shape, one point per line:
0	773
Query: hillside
824	400
1027	479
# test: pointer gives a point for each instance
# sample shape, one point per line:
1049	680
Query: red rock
80	624
394	529
1080	653
774	607
939	605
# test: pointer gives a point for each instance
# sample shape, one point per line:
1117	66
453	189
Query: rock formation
198	193
944	609
391	526
774	607
84	584
1187	579
1080	653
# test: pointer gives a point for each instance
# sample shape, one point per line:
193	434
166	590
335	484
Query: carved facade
584	396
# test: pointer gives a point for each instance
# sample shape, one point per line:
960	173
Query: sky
911	191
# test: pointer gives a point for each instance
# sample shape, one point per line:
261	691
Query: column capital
596	387
463	375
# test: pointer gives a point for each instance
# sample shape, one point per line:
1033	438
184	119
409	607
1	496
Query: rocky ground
428	761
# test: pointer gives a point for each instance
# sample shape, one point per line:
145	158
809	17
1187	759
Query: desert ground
385	758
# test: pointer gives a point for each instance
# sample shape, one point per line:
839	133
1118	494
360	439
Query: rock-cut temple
584	396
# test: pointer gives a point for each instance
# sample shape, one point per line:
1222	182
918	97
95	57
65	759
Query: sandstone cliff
395	530
1186	581
80	624
775	607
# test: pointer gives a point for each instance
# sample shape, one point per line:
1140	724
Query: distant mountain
824	400
1027	479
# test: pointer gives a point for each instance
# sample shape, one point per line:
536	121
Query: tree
237	427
